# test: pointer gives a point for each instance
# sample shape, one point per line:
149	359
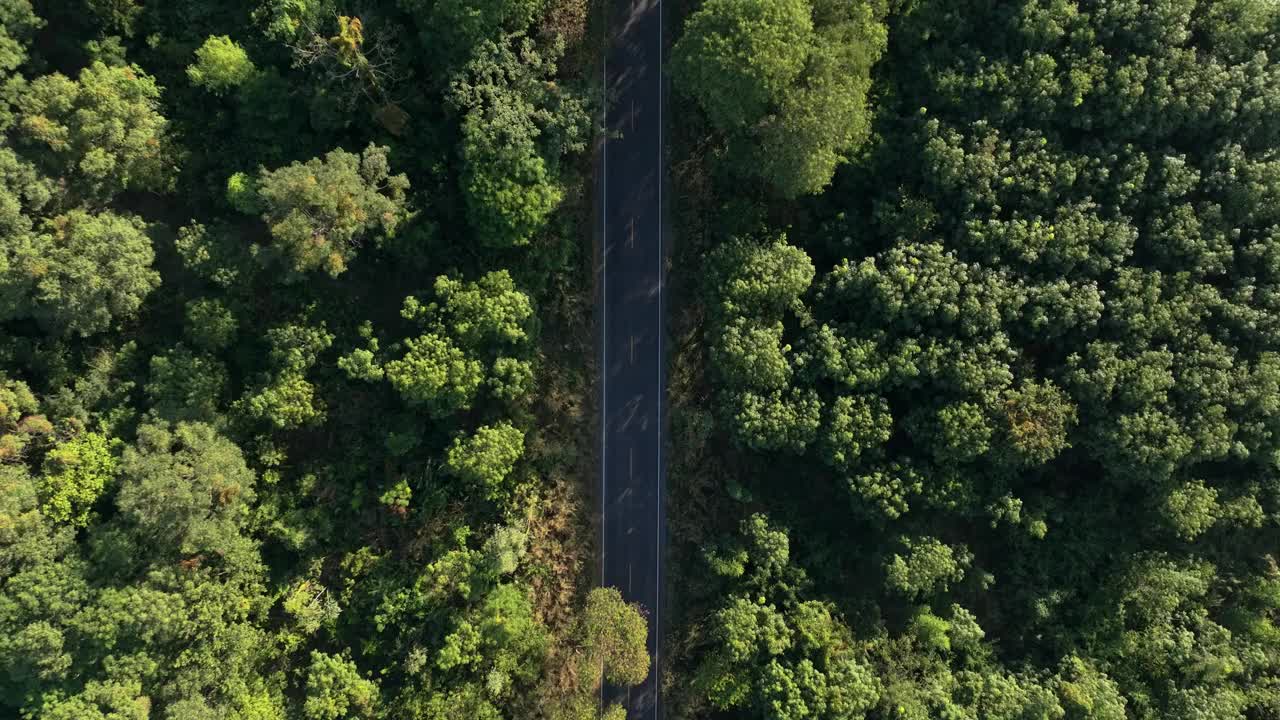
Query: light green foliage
83	273
320	211
208	255
931	631
1039	415
489	311
397	497
763	284
857	425
511	379
359	364
286	19
963	433
1039	335
242	193
183	200
474	22
505	548
436	374
486	458
1085	692
102	701
927	566
18	422
76	472
221	65
336	690
1191	509
26	193
616	638
102	133
311	608
513	639
823	119
284	397
764	279
288	401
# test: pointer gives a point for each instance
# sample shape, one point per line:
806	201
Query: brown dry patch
566	18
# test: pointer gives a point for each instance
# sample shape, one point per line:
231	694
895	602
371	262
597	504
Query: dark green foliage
516	125
102	133
785	82
234	483
771	654
81	273
318	213
1008	379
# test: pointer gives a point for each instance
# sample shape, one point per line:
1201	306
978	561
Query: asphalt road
631	267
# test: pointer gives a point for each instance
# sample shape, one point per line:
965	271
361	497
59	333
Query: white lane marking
604	290
657	610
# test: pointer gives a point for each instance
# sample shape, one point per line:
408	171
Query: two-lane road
631	265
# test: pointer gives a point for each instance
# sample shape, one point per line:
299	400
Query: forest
975	402
974	380
292	403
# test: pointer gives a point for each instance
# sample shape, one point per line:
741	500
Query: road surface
631	266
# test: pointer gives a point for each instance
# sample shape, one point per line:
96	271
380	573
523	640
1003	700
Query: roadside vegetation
975	395
294	413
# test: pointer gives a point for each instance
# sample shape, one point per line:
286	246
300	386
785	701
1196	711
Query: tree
185	489
490	311
210	325
477	22
735	57
102	701
335	690
118	15
515	126
186	385
486	458
320	211
102	133
435	373
759	278
76	473
929	566
768	652
616	637
221	65
785	80
82	274
19	23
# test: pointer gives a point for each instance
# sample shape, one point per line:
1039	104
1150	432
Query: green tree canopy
318	212
102	133
221	65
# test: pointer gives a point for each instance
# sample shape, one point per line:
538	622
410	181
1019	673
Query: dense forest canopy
291	390
991	428
976	396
